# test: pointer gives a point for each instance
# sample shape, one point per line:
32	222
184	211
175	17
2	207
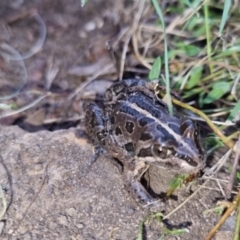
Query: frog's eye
187	128
161	152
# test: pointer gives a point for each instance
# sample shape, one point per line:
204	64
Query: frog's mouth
186	164
168	155
169	152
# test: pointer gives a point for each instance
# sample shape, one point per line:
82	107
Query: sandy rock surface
51	194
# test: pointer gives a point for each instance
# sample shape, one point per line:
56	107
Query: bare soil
52	195
50	191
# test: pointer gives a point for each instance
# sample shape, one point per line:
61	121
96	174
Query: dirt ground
50	192
53	196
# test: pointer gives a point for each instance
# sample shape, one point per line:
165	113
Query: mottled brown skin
135	127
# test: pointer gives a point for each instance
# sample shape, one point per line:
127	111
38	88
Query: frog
134	126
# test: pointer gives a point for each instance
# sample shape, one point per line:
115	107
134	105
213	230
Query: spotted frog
134	126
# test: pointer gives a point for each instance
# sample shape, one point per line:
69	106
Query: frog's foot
97	151
135	187
139	193
117	164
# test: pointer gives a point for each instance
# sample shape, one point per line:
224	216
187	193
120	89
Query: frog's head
179	145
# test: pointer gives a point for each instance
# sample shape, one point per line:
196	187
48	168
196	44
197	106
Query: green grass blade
208	35
155	70
234	111
219	89
83	2
227	5
159	12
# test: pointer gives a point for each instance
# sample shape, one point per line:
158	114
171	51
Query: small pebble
71	212
38	167
130	211
22	229
80	225
90	26
99	23
63	220
10	231
82	34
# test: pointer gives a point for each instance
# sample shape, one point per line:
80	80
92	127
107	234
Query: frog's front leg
95	124
135	187
95	129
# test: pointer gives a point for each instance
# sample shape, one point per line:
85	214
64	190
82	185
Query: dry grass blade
225	139
234	170
215	168
135	36
7	114
229	211
138	55
237	225
129	35
90	79
124	52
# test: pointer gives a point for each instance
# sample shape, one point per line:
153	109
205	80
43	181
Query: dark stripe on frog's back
175	127
127	113
164	134
157	110
124	108
159	133
145	121
142	133
143	124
